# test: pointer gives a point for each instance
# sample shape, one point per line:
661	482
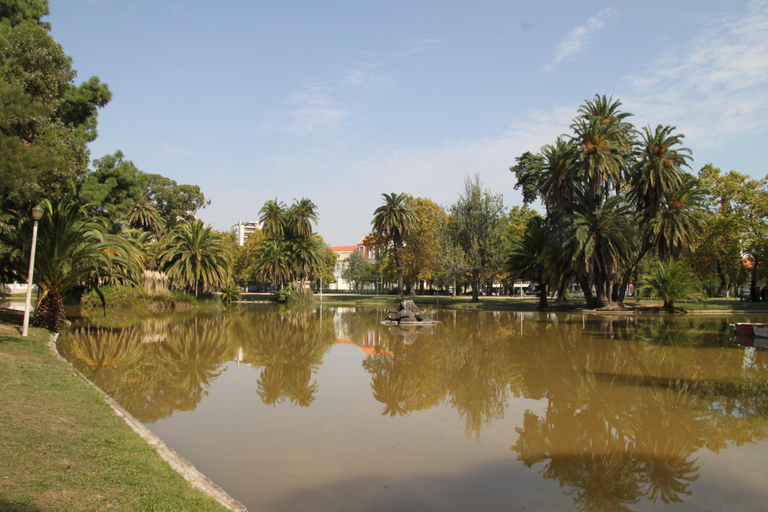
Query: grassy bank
62	447
525	303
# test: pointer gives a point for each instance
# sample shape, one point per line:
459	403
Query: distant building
243	229
344	251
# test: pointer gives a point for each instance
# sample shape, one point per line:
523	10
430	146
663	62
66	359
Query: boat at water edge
751	329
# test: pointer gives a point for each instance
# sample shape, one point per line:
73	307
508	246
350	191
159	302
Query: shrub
116	297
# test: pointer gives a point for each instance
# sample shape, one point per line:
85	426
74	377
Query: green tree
358	271
46	120
194	256
421	246
392	220
72	248
272	262
475	226
273	219
173	201
114	186
672	281
528	257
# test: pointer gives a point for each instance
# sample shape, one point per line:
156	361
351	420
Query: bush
116	296
282	295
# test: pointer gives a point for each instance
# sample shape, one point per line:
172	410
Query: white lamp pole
37	214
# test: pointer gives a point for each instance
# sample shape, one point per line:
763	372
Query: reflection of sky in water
568	412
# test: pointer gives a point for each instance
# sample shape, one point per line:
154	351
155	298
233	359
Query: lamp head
37	212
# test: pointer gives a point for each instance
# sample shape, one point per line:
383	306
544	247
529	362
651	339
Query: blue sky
340	101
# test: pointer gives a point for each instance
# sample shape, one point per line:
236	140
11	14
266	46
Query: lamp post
37	214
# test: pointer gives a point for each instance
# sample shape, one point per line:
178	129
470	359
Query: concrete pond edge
178	463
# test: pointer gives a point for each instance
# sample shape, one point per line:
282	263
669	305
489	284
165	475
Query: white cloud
422	45
579	37
717	87
324	107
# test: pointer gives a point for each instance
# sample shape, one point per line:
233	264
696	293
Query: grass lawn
61	446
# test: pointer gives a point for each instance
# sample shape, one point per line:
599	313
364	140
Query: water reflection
626	405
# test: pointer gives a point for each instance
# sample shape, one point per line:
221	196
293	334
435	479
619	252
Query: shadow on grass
8	506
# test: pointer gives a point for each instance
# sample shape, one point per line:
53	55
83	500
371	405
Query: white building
243	229
342	263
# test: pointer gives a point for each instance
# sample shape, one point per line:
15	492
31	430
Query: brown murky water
328	410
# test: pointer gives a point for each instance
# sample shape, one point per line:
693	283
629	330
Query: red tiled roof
344	248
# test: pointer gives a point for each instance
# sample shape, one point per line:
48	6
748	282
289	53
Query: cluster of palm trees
612	195
290	252
76	248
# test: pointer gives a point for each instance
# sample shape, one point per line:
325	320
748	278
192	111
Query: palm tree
193	255
299	216
528	258
557	181
307	253
601	236
659	167
273	219
72	248
272	262
143	215
395	218
673	281
604	142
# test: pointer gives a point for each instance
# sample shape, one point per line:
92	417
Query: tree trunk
475	285
50	313
543	295
398	241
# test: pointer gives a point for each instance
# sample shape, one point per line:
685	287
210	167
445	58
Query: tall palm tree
659	167
273	219
393	219
72	248
604	142
300	215
193	255
558	175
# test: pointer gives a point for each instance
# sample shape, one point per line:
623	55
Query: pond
326	409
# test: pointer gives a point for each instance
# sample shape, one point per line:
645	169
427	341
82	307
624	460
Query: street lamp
37	214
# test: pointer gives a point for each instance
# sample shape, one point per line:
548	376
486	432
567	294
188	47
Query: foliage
282	295
46	120
421	246
195	257
173	201
393	220
672	281
114	187
612	195
358	271
72	248
230	294
475	226
291	251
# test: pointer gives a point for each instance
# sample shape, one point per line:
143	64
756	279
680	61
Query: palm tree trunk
398	242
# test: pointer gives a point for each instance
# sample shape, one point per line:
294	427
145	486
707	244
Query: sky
341	101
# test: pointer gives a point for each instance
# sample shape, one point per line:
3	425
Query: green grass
61	446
